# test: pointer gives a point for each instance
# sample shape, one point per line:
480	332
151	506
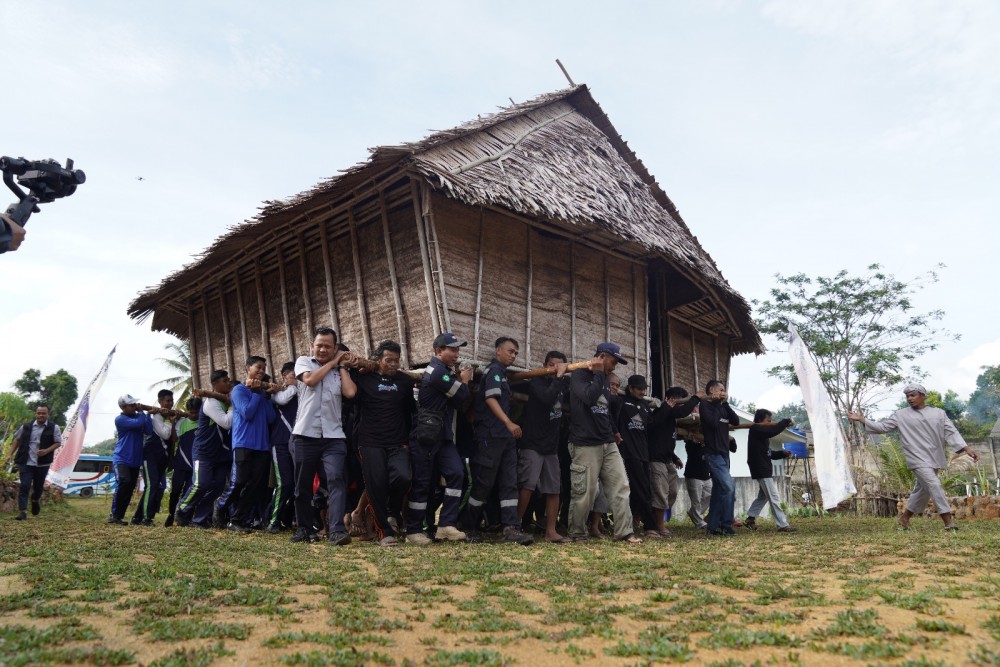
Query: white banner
836	483
76	427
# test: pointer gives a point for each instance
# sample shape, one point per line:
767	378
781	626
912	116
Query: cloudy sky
792	136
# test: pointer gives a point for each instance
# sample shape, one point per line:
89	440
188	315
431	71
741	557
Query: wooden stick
208	393
546	370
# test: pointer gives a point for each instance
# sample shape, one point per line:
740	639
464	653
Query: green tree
984	402
57	390
14	412
862	331
796	412
179	363
104	447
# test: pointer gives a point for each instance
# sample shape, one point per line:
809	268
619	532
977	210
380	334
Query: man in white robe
924	431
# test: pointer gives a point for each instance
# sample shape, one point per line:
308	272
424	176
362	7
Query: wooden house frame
537	222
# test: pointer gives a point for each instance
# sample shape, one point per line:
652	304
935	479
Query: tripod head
46	181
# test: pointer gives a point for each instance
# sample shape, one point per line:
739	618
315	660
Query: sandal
631	539
902	527
560	540
952	528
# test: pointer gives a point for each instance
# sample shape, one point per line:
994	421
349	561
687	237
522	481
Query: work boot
169	521
219	519
512	534
339	539
238	528
303	535
419	539
451	534
22	515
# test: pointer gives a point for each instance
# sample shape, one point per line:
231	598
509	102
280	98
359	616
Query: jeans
768	494
311	456
720	506
30	476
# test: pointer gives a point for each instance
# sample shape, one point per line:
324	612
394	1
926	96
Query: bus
93	475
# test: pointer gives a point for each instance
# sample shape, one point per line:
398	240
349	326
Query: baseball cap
614	350
448	339
637	381
127	399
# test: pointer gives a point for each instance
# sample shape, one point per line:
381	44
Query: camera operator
17	232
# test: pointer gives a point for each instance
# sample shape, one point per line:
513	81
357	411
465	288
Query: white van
93	475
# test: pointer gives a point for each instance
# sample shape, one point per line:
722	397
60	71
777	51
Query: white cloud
777	396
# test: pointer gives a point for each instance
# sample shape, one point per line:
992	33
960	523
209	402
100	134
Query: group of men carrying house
417	455
430	468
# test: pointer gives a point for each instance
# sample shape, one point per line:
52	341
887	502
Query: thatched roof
556	158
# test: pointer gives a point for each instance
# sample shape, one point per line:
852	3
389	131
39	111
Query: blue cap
448	339
614	350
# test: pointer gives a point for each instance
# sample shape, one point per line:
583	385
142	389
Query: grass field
841	591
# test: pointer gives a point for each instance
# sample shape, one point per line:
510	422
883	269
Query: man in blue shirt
252	417
132	425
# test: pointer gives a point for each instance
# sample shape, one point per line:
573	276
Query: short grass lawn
841	591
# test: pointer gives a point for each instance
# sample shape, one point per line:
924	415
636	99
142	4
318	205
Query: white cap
127	399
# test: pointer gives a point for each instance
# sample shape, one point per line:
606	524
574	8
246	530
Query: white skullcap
914	386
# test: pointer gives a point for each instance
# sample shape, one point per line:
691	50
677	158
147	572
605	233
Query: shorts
538	472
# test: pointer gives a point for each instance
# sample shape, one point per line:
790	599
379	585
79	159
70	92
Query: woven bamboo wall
698	356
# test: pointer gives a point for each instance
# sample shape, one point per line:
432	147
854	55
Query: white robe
924	433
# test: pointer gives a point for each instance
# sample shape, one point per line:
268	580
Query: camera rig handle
46	181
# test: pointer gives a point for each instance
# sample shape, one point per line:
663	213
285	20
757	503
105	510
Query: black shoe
512	534
750	523
180	520
135	521
473	537
257	524
728	532
237	528
303	535
147	522
116	522
36	507
219	519
169	521
21	516
339	539
273	529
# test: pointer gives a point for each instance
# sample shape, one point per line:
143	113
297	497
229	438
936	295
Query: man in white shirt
924	431
318	436
32	451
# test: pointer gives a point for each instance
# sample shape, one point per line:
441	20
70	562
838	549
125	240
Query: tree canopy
862	330
984	402
57	390
180	363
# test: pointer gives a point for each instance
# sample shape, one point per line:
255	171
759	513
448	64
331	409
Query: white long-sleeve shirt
213	408
924	433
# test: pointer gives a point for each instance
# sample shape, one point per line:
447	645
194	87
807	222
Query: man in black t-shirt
494	460
537	456
385	403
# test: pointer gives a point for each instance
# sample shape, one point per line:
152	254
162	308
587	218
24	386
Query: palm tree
180	384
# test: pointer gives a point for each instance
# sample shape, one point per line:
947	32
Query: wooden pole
572	298
479	285
359	284
328	272
284	306
265	333
306	299
432	232
607	299
694	358
715	344
208	329
227	340
527	317
635	328
193	343
394	283
425	259
546	370
243	319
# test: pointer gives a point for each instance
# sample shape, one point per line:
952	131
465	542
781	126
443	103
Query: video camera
46	181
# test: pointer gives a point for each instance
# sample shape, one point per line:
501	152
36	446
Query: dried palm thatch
556	160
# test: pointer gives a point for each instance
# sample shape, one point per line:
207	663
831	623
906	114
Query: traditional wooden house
536	222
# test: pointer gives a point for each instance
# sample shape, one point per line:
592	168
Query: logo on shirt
387	387
496	378
446	377
636	424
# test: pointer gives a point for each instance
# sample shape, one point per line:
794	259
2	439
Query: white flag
76	427
832	471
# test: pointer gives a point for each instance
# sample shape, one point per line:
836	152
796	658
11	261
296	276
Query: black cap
614	350
638	381
448	339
